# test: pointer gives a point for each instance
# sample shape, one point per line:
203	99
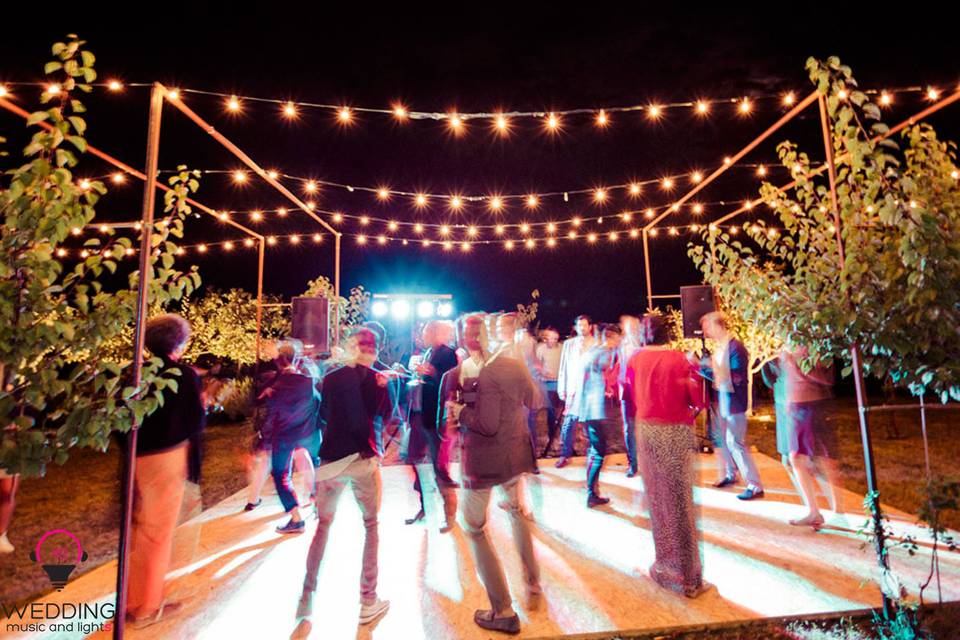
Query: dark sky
476	60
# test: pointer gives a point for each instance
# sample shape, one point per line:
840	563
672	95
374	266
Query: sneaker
594	500
5	546
370	612
562	462
725	482
252	505
292	527
631	473
486	619
751	493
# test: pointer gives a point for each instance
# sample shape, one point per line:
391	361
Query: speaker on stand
311	323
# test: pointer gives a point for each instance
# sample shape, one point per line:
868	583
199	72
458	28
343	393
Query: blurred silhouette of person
629	345
599	388
548	367
570	385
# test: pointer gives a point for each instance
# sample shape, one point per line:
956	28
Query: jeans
598	449
282	466
568	435
730	440
475	504
363	475
629	433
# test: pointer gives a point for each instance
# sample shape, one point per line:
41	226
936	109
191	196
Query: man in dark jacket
496	451
353	396
729	371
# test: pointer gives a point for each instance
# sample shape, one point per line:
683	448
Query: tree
527	313
353	310
60	388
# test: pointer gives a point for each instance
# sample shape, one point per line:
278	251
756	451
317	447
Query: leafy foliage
527	313
353	310
60	386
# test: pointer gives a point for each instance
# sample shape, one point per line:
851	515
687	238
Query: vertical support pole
336	289
862	406
646	268
130	460
259	304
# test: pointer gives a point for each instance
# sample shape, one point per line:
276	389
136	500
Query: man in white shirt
547	358
570	384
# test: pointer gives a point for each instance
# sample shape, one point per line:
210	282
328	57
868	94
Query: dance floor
245	579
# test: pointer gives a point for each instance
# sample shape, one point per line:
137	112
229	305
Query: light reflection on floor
246	579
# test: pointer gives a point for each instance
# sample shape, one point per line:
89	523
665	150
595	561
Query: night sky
478	59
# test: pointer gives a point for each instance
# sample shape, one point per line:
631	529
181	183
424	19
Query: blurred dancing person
547	356
729	370
570	385
629	345
667	396
495	452
599	388
352	396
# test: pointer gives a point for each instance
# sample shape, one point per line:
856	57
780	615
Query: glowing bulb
447	246
772	233
553	122
338	217
575	222
115	85
4	92
955	174
734	231
602	119
626	216
344	115
393	226
456	122
84	254
228	246
635	189
290	110
571	234
551	228
702	107
697	177
761	170
591	237
425	243
202	248
508	245
748	205
698	208
281	212
502	124
524	228
673	231
239	177
223	216
612	236
600	195
53	89
653	233
532	201
886	99
118	178
248	242
399	111
418	228
84	184
694	228
361	239
789	98
648	214
421	200
654	111
675	207
310	186
499	229
667	183
496	203
444	230
465	246
634	233
61	253
530	244
364	220
381	239
745	106
472	231
551	242
727	160
383	193
932	94
842	94
273	175
104	228
233	104
317	238
456	203
256	216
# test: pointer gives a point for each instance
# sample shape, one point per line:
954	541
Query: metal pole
646	267
336	288
876	514
256	361
130	461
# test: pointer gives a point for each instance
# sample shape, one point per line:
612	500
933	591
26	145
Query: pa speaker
311	323
695	302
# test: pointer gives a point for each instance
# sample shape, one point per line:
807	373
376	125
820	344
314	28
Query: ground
83	496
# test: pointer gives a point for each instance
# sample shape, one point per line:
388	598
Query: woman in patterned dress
667	397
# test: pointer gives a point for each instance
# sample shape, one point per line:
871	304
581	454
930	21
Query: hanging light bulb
533	201
233	104
290	110
702	107
602	119
496	203
789	98
399	111
344	115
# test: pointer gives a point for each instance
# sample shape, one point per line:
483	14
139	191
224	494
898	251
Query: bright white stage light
379	309
444	309
400	309
425	309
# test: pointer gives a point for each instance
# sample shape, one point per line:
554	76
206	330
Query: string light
271	240
702	107
233	104
84	254
290	110
472	231
635	189
256	216
465	246
118	178
248	242
181	251
698	208
361	239
600	195
447	246
886	99
202	248
173	94
281	212
667	184
499	229
591	237
571	234
634	233
382	240
224	216
727	160
239	177
496	203
551	242
612	236
393	226
399	111
789	98
648	214
653	111
294	239
61	253
228	246
575	222
53	89
696	177
533	201
383	193
445	230
115	85
364	220
653	233
421	200
761	170
955	174
734	231
456	203
4	92
530	243
418	228
84	184
310	186
524	228
553	122
502	124
602	119
344	115
842	94
104	229
273	174
745	106
508	245
626	216
932	94
425	243
317	238
456	123
673	231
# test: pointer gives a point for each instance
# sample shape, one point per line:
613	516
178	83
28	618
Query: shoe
485	618
166	610
292	527
631	473
810	520
594	500
726	482
252	505
536	471
417	518
562	462
695	592
5	546
370	612
750	494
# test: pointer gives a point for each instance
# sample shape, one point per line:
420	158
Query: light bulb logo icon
58	563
